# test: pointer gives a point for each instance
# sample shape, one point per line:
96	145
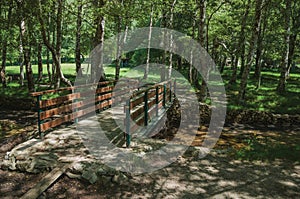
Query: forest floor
247	162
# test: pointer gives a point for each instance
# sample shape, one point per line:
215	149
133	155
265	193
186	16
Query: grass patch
266	150
264	99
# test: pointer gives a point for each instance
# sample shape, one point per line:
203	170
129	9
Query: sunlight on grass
264	99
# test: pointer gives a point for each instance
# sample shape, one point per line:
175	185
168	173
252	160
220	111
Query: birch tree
253	43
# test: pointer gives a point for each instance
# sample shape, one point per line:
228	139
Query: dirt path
223	174
212	177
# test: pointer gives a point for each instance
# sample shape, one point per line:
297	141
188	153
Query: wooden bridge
143	108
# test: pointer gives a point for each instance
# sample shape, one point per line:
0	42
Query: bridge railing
147	104
71	103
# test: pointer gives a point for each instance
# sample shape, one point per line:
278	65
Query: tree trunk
253	43
202	34
78	38
47	51
286	53
191	68
40	62
164	39
234	63
193	73
259	53
97	66
4	46
179	63
53	44
28	67
242	39
149	45
24	35
48	64
223	63
21	57
171	39
55	51
119	48
293	40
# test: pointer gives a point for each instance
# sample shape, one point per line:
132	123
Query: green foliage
266	150
266	98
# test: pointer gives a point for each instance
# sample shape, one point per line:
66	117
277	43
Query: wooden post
174	88
146	108
127	111
157	99
170	91
97	95
164	95
39	98
76	109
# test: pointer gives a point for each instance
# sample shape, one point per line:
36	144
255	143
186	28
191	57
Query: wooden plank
67	98
103	97
151	103
151	94
151	87
104	89
34	94
121	92
46	182
135	114
134	127
57	111
104	104
140	123
136	102
59	100
56	122
70	117
70	107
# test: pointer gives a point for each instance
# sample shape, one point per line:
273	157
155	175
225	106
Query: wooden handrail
141	105
149	88
35	94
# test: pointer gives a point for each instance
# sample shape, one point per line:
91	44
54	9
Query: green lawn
264	99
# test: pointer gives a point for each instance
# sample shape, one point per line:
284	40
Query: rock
90	176
73	176
120	179
38	163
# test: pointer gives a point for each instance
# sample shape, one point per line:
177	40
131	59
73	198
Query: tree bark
171	39
259	53
55	51
24	35
202	34
47	51
242	40
78	38
223	63
4	46
29	73
286	54
149	45
97	63
40	62
241	44
293	40
21	57
253	43
119	48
